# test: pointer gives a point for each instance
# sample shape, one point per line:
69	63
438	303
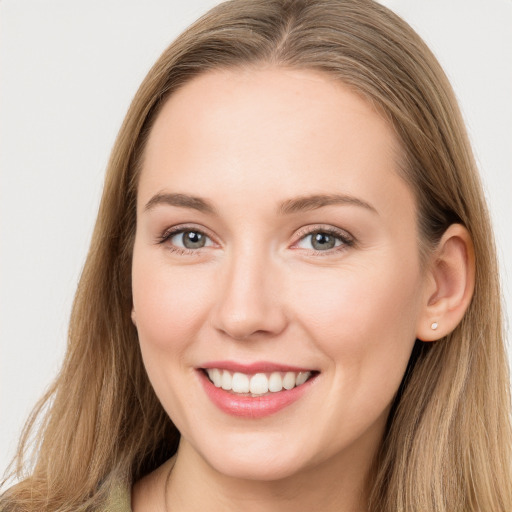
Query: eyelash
346	239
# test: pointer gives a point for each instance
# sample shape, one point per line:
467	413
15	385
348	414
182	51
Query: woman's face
275	243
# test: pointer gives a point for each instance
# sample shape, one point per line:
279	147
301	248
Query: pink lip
252	368
252	407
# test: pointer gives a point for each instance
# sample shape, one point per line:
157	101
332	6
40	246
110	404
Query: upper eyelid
180	228
322	228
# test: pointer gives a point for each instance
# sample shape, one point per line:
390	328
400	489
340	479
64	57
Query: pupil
193	240
323	241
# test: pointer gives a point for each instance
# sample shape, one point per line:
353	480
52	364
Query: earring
434	326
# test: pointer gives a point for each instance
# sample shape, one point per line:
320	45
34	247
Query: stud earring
434	326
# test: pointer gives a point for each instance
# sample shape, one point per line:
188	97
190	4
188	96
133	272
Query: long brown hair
448	443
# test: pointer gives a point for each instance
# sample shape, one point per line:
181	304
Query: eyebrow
180	200
290	206
313	202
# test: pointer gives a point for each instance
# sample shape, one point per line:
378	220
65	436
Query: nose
250	300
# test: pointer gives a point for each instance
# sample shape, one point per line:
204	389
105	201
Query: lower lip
252	407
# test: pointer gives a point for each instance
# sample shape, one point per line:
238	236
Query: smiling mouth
257	384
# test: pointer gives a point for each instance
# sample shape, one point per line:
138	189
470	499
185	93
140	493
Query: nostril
244	327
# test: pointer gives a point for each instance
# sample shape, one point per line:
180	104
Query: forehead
289	131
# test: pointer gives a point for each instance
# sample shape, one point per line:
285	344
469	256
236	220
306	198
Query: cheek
169	308
363	318
169	303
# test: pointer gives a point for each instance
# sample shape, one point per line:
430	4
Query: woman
291	298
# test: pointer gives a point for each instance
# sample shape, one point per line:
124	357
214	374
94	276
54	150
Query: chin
254	461
262	470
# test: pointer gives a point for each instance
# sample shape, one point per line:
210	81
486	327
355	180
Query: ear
134	317
450	282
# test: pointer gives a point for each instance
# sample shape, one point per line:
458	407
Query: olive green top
119	499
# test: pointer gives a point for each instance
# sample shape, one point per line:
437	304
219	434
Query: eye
189	239
324	240
183	239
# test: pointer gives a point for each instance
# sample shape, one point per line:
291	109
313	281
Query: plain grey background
68	70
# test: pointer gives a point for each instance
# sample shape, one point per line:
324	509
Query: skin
247	142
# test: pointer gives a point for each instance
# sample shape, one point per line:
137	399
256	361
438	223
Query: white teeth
301	378
227	380
240	383
215	376
289	380
257	384
275	383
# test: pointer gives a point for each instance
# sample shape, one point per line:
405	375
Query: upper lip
255	367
